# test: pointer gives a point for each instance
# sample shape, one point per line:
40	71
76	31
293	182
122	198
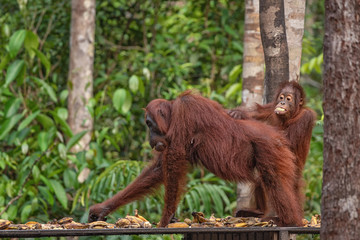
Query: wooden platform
248	233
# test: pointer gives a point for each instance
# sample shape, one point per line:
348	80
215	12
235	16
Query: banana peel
178	225
4	223
139	216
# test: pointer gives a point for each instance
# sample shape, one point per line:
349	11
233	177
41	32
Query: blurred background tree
143	50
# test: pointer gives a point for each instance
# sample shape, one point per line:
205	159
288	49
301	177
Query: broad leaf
122	100
119	98
44	60
50	91
63	124
13	71
59	192
75	139
62	151
25	213
12	211
11	107
43	141
62	113
4	61
8	125
46	194
31	43
45	121
146	73
233	90
24	148
234	73
28	120
69	178
134	83
127	104
36	173
63	96
16	41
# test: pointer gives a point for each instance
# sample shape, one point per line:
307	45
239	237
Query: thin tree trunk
253	65
81	69
340	204
273	37
253	80
295	17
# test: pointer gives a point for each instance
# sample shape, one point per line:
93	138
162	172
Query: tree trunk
253	65
273	37
340	207
81	69
253	80
295	17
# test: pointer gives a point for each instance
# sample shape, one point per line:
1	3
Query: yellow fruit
178	225
123	222
4	223
240	225
139	216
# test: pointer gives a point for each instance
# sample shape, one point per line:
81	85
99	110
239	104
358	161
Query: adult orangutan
288	113
193	130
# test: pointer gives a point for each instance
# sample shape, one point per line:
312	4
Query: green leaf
76	199
46	194
62	113
196	200
234	73
24	148
230	31
13	71
64	125
45	121
36	173
218	203
46	181
20	79
233	90
62	151
189	201
76	138
134	83
70	180
59	193
119	98
43	141
25	213
141	87
312	63
50	91
11	107
127	104
146	73
16	41
186	65
89	155
4	61
28	120
122	100
6	30
31	43
12	211
204	196
63	96
8	125
44	60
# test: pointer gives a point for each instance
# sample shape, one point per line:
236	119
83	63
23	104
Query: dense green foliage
144	50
